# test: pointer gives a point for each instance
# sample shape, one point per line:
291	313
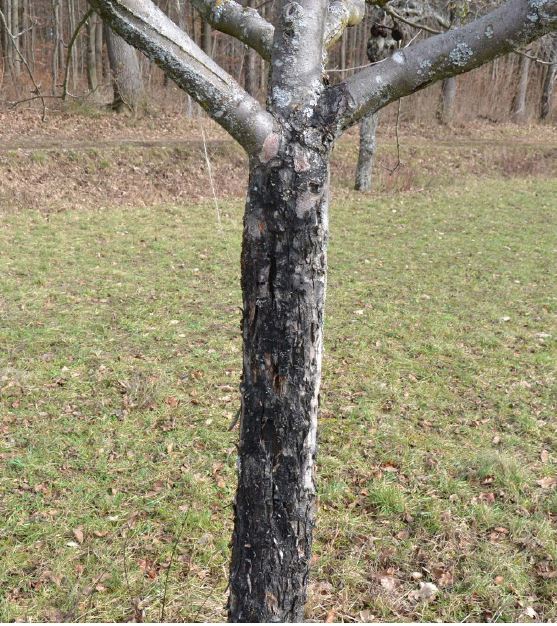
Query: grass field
119	367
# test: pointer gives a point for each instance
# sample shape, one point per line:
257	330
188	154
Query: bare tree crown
297	48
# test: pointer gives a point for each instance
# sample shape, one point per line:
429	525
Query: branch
247	25
342	13
390	11
514	24
243	23
143	25
69	53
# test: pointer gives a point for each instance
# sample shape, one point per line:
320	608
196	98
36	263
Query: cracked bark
283	284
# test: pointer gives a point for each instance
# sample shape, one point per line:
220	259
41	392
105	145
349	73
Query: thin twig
534	58
172	555
402	19
210	172
25	63
126	573
69	53
357	67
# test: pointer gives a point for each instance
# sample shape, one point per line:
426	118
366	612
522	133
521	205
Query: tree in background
127	81
384	39
549	80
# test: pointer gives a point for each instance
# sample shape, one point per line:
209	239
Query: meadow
120	360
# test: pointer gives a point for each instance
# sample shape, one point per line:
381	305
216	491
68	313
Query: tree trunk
16	64
283	285
207	39
92	80
549	81
366	155
99	50
127	81
519	104
446	103
250	64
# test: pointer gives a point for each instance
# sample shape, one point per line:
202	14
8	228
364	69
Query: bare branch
343	13
244	23
390	11
512	25
69	52
143	25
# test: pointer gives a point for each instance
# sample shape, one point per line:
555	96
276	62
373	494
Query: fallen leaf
427	592
367	616
388	582
488	498
547	482
446	579
530	612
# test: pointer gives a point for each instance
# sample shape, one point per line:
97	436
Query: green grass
119	368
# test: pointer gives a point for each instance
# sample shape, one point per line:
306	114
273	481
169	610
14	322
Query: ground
120	364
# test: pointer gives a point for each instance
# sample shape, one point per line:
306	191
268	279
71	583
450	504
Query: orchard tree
284	251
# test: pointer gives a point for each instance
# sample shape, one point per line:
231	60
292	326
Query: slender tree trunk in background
549	81
55	68
283	284
99	41
7	46
343	51
127	81
366	155
92	80
250	65
446	104
445	110
207	43
519	104
16	61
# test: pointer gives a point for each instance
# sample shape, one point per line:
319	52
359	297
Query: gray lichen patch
424	68
461	54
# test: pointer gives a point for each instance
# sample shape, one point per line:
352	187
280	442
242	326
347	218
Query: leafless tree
284	264
549	80
127	82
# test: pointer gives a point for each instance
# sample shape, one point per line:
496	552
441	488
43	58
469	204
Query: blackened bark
283	284
366	154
